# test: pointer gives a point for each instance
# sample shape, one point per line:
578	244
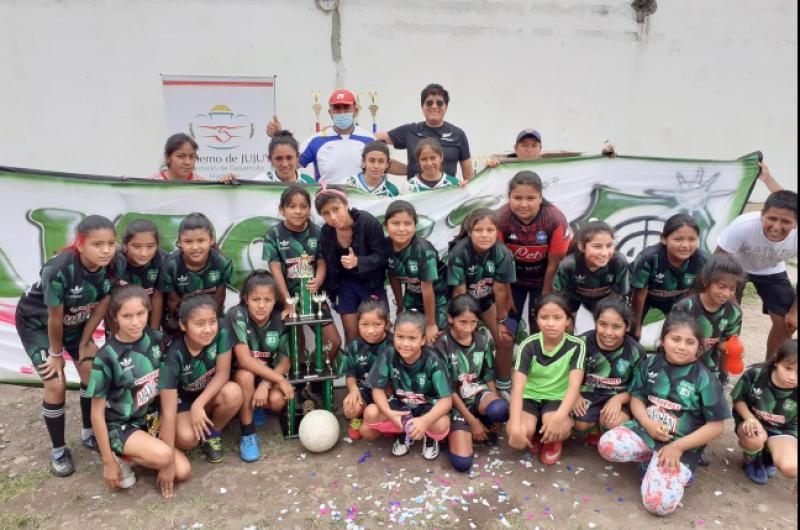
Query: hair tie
325	189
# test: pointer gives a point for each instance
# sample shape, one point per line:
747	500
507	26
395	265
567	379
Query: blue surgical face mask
343	121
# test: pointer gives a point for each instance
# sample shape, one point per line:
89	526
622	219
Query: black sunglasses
432	102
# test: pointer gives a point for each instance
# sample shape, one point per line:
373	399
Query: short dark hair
434	89
718	267
782	200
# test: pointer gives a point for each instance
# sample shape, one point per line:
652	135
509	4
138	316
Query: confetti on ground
223	491
363	458
717	493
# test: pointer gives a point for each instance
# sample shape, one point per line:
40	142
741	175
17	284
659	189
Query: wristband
51	353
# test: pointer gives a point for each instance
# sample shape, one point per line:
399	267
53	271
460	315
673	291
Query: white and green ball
319	431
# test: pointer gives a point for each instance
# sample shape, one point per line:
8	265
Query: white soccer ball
319	431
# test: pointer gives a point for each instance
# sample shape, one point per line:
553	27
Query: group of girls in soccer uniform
455	364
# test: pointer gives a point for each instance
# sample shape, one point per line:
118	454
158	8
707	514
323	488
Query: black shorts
775	290
36	344
662	304
595	405
185	403
538	408
419	410
366	394
457	421
118	435
575	305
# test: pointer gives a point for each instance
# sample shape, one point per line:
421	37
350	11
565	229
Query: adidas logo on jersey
580	278
182	280
757	391
126	364
512	237
651	376
187	369
659	276
76	291
283	244
471	269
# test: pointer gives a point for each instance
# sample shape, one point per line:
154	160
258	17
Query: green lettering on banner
11	285
58	228
167	227
243	244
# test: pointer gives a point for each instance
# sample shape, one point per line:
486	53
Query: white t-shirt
335	157
744	239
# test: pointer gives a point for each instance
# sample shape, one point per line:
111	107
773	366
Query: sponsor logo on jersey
76	292
603	382
664	403
261	354
149	389
201	382
152	376
411	398
775	419
541	237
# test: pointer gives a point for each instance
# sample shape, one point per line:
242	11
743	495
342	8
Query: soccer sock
248	429
503	384
214	433
86	408
750	456
54	420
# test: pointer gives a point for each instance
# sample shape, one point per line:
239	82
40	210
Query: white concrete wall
80	90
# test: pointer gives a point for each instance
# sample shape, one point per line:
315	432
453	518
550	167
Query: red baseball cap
342	96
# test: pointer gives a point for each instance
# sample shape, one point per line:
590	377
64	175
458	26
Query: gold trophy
304	272
373	109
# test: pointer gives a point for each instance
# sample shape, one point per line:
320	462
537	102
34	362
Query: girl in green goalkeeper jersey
548	372
57	316
124	392
765	412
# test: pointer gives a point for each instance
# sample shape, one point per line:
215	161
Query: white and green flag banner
634	195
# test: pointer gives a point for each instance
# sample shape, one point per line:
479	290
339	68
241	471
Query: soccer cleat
213	449
550	454
756	472
354	429
248	448
62	466
128	475
430	448
399	447
259	417
90	443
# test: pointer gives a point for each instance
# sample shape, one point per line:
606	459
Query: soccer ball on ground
319	431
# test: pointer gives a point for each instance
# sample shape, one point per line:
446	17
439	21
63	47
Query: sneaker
771	470
430	448
756	472
550	454
259	417
62	466
213	449
536	446
248	448
399	447
90	443
128	475
354	429
704	461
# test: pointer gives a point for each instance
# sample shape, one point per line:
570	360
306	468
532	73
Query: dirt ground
361	485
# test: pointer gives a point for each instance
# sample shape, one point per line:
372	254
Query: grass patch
750	294
22	483
26	522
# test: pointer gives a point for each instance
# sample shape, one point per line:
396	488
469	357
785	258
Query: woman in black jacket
356	254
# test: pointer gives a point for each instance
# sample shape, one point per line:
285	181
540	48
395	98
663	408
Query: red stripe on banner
219	83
